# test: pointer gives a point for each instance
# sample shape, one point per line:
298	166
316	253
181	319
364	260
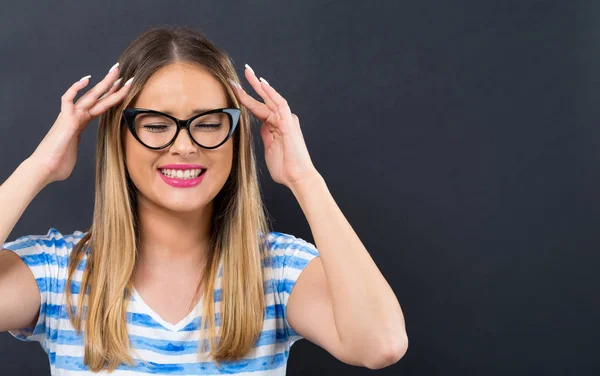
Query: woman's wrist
35	177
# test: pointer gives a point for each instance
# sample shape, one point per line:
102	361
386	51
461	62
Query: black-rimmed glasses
157	130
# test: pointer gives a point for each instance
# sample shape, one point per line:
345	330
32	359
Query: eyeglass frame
129	115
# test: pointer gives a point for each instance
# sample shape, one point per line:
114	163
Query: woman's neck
173	239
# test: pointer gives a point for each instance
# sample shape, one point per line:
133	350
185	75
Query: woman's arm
340	301
345	288
53	160
19	295
16	193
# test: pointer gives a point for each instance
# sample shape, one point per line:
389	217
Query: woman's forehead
182	87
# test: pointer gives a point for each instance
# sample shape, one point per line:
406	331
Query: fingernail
233	83
265	81
116	82
250	69
128	81
85	78
113	67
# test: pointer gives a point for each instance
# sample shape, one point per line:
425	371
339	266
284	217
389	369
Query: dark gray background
459	138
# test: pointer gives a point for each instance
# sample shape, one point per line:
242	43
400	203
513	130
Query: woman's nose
183	144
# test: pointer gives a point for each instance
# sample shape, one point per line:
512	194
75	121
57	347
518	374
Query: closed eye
156	127
208	125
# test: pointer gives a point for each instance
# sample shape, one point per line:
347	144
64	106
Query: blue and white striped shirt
165	348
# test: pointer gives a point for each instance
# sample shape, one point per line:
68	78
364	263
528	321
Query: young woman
178	272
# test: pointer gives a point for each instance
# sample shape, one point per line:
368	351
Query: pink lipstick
180	182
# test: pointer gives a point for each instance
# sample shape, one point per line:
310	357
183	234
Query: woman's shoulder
54	241
276	239
286	249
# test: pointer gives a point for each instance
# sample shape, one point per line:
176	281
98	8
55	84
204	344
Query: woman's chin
182	203
182	206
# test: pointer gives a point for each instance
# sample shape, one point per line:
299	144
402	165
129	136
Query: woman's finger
255	83
112	89
109	101
279	103
66	101
89	98
259	109
279	106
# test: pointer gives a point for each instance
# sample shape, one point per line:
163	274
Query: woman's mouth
181	174
182	178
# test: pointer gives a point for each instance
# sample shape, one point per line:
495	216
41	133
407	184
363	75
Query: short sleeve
47	258
289	257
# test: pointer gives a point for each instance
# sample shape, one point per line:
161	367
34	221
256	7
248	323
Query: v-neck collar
165	324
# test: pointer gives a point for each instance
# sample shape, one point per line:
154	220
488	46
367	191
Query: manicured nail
85	78
233	83
265	81
116	82
128	82
250	69
113	67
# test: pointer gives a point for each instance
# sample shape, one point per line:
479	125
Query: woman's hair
238	226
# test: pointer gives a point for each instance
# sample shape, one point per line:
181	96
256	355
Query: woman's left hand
286	154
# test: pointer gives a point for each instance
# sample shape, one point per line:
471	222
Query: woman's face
179	89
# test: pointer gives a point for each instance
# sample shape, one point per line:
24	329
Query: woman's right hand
55	156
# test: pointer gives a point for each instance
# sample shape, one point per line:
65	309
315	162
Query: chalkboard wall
460	139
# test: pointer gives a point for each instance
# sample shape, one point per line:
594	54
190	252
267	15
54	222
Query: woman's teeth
181	174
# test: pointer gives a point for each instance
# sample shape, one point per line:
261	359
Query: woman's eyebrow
194	112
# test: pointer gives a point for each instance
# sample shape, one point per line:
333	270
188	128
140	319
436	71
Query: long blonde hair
238	226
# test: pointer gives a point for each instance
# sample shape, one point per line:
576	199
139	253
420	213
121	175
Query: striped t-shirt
165	348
